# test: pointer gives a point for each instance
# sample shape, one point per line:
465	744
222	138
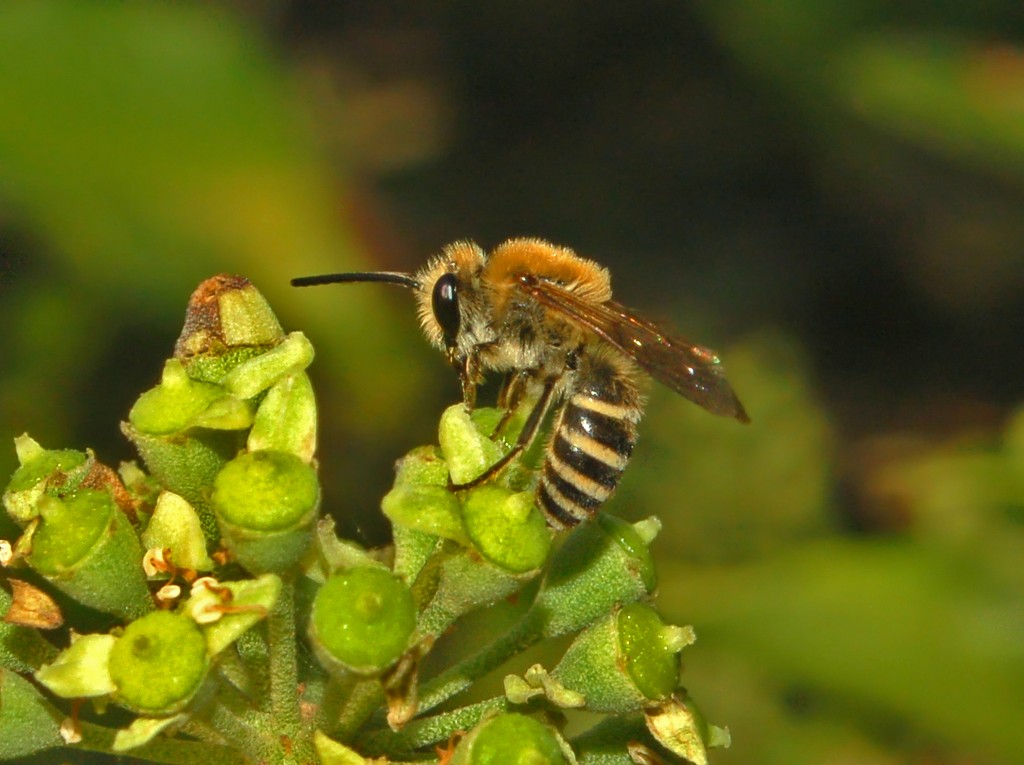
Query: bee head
448	293
451	309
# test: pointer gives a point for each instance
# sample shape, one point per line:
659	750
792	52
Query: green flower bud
176	526
286	418
466	449
179	403
507	528
42	471
363	619
28	722
87	548
625	661
266	504
510	739
82	670
159	663
227	322
601	565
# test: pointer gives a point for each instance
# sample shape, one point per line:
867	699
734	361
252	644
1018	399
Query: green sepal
28	722
42	471
266	504
179	403
413	550
286	418
466	450
142	730
87	548
331	553
423	466
251	601
506	527
593	571
257	374
510	738
176	526
537	682
330	752
159	663
427	509
362	620
81	670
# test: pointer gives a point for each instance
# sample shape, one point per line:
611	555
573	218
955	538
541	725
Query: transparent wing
690	370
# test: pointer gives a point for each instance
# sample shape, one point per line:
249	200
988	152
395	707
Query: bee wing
690	370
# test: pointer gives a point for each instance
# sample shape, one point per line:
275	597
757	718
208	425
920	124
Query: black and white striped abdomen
590	446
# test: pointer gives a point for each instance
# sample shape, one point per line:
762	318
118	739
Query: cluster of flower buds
206	573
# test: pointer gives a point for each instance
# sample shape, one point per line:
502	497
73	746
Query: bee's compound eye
445	304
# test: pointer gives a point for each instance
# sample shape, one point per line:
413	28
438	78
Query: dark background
828	193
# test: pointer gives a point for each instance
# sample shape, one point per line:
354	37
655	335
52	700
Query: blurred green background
830	193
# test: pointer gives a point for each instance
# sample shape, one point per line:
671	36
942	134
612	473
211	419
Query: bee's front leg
468	369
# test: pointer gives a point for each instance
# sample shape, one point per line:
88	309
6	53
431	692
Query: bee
545	317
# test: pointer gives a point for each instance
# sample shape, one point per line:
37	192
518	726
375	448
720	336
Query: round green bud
507	528
265	491
266	504
363	619
158	663
650	650
510	739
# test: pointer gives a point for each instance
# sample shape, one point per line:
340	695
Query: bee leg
468	377
511	395
526	436
512	389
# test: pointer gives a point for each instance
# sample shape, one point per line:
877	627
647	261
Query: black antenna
391	277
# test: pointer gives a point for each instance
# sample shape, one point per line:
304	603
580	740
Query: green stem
365	697
459	677
284	676
284	679
241	733
430	730
97	738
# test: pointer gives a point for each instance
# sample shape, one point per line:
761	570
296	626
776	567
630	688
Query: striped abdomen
590	446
